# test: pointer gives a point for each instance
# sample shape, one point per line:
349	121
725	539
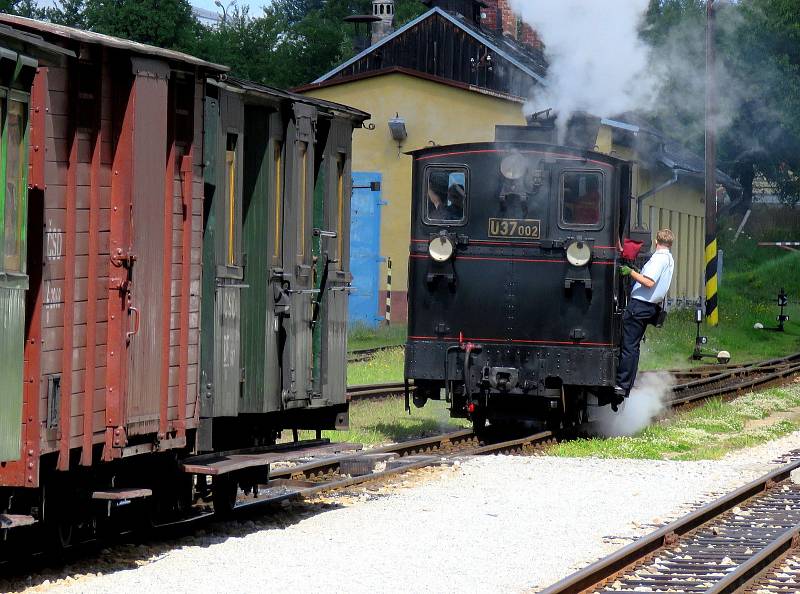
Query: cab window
445	196
581	198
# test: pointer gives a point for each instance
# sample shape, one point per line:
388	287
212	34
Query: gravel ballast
493	524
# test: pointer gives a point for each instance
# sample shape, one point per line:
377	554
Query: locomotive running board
225	462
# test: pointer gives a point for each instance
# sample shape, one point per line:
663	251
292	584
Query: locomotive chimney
541	128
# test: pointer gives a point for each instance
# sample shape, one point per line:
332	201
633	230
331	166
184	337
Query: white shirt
659	268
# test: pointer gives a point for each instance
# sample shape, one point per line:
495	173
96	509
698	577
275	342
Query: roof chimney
498	17
383	9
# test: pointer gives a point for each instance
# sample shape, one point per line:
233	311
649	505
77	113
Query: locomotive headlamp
513	167
579	253
441	248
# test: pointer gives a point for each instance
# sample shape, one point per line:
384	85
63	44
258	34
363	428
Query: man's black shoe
618	398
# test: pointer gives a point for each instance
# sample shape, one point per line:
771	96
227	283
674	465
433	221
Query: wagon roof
503	145
33	40
106	40
259	89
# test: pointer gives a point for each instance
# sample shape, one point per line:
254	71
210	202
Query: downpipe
652	192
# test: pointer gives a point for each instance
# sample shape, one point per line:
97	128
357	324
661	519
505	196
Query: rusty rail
625	559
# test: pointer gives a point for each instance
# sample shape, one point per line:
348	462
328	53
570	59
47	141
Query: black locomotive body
515	303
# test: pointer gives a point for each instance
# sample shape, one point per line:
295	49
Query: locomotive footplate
512	369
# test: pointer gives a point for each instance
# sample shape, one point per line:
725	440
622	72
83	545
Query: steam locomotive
515	302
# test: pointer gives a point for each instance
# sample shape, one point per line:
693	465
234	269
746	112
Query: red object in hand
631	249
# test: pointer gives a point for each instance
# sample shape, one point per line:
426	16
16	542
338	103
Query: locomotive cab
514	300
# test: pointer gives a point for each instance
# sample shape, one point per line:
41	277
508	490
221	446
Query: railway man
648	297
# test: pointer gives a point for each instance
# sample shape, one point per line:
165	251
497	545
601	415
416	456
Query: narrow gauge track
312	478
306	480
693	384
360	355
739	542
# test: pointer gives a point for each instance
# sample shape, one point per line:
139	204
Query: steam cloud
597	61
647	400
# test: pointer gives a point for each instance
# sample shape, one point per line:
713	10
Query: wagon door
261	242
13	277
331	314
297	256
148	302
222	260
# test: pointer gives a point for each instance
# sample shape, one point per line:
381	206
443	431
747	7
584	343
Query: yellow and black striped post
712	311
388	291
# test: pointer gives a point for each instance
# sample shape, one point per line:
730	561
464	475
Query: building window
445	196
582	198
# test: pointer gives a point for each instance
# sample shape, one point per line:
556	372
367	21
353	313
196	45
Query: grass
707	432
752	277
748	292
379	422
385	366
364	337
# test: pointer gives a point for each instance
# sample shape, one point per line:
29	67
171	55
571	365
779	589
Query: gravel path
495	524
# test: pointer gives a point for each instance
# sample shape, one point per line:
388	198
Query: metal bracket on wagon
122	260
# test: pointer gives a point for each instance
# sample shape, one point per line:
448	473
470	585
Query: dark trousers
634	323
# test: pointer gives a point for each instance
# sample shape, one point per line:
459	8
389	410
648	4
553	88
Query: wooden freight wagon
188	275
114	242
276	263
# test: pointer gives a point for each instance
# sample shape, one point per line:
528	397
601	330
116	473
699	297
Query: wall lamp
397	126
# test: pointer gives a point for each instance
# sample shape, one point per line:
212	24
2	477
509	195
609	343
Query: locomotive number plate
515	228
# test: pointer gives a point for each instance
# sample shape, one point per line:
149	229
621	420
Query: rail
712	571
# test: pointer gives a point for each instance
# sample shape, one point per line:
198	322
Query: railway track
339	472
360	355
744	541
308	478
692	384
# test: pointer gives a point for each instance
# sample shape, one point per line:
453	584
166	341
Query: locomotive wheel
479	424
224	492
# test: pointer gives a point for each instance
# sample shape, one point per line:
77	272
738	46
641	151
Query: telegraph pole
712	310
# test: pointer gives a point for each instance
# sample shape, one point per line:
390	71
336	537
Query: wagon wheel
224	491
60	521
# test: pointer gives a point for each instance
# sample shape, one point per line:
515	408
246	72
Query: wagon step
8	521
121	494
225	462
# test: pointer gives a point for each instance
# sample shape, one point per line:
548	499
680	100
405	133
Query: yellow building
434	112
445	78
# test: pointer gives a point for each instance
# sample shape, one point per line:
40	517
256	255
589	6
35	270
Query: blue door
365	245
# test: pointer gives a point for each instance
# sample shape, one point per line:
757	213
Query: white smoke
597	61
647	400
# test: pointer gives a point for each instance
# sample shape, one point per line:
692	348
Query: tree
292	42
25	8
758	51
68	12
164	23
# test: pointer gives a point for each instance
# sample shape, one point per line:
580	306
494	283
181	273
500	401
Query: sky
255	5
